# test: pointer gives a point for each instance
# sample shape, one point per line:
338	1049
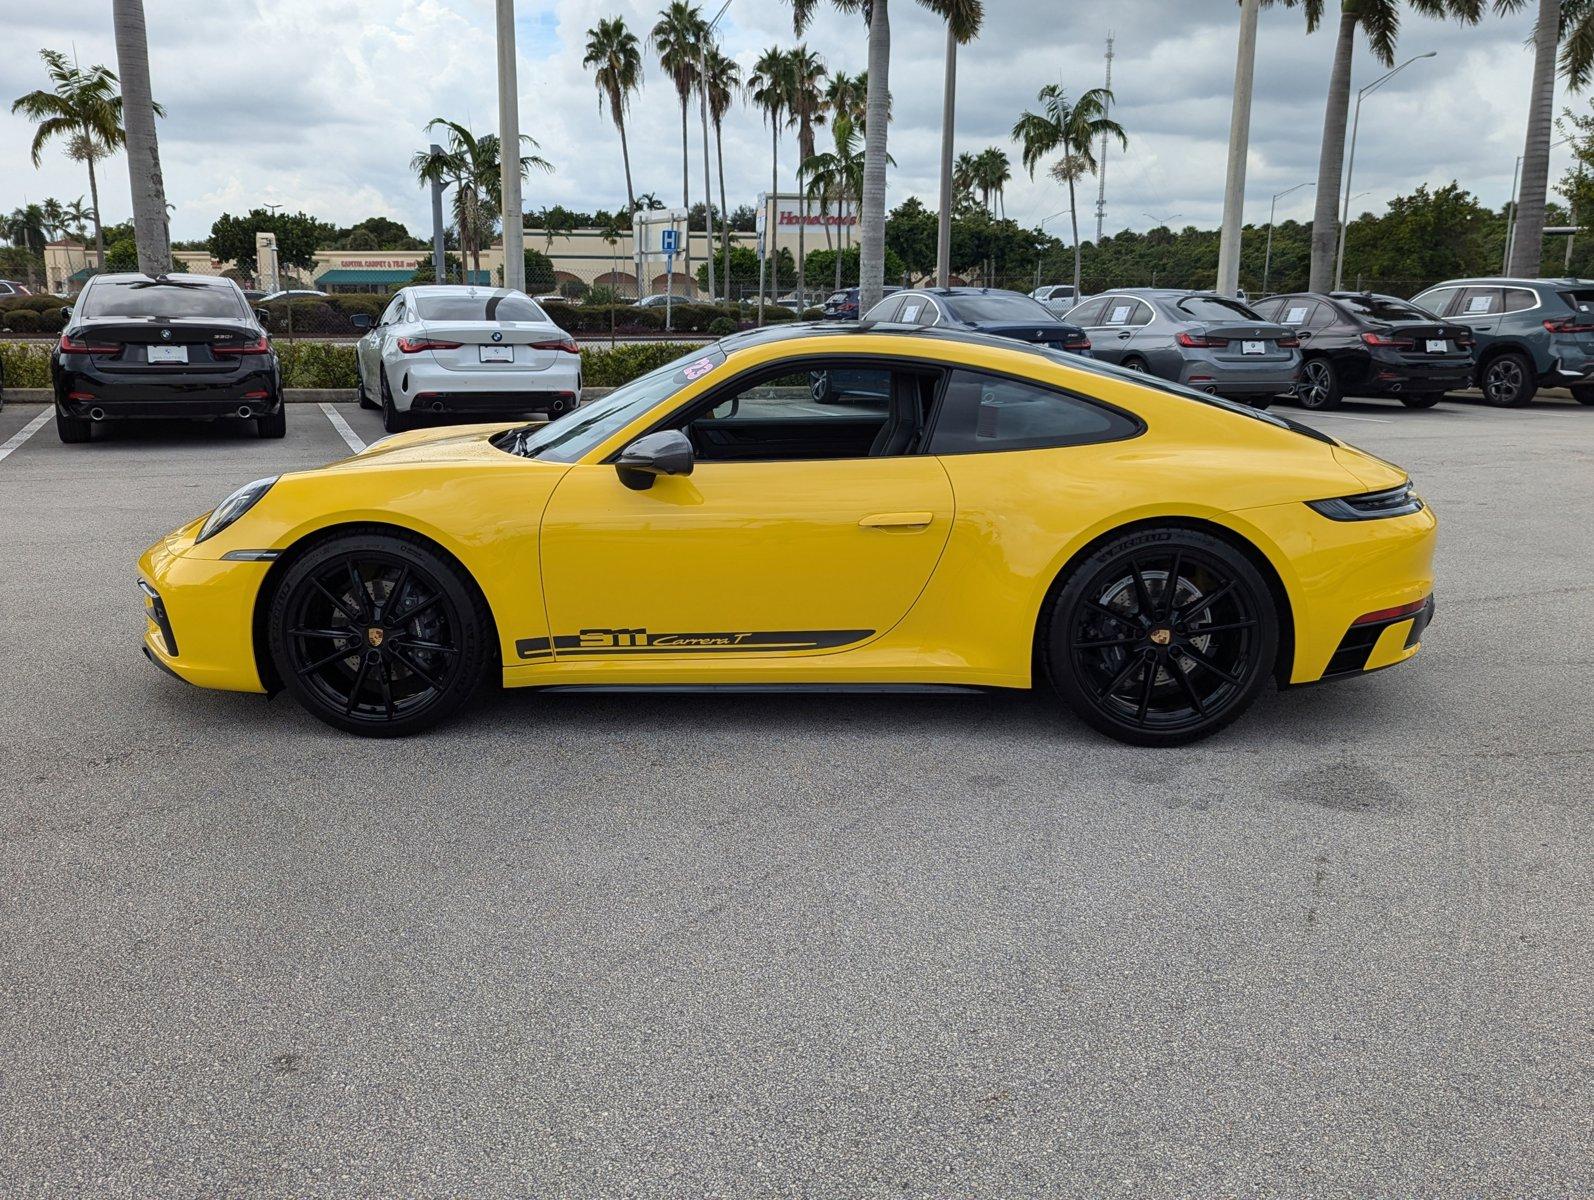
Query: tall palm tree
675	40
724	84
1072	129
837	174
1569	24
616	54
76	218
52	217
846	96
150	213
470	165
24	227
963	20
84	108
993	171
965	173
807	74
770	89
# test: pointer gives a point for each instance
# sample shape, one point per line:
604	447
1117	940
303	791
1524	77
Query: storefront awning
348	276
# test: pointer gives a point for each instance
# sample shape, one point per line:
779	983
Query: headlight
1369	506
234	506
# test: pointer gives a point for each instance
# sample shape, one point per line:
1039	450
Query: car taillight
1568	325
1196	341
70	345
1464	340
568	345
1289	342
1383	339
411	345
1370	506
1076	341
233	349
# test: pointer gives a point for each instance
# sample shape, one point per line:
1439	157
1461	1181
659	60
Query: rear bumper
492	403
1379	644
1227	379
84	393
422	387
1395	374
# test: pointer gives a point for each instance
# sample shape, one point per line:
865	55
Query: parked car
168	346
1531	333
455	350
293	294
1364	344
988	310
843	305
1206	341
10	288
1058	297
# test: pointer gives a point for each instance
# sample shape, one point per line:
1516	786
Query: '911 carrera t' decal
640	641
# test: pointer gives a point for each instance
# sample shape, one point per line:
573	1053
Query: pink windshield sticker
700	368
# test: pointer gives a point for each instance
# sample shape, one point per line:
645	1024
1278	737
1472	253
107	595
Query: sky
319	104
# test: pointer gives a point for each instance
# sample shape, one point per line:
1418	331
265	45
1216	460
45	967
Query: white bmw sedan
478	352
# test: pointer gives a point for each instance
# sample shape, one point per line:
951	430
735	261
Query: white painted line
1349	417
342	426
27	431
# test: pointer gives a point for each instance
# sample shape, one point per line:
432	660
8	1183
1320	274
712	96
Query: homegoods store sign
788	214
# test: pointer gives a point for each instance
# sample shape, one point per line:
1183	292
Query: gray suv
1531	333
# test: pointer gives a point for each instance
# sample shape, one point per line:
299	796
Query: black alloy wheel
378	635
360	393
1162	637
393	421
1507	381
1319	385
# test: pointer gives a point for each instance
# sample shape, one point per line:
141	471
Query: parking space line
343	428
23	434
1351	417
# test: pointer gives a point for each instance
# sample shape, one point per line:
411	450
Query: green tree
470	165
724	83
299	235
539	272
23	227
770	88
911	234
806	71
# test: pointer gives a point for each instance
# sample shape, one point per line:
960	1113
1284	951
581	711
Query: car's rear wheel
1319	386
1161	637
360	393
1133	363
272	425
393	421
1421	399
379	635
1583	393
1507	380
72	429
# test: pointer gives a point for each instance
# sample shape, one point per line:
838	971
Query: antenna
1101	162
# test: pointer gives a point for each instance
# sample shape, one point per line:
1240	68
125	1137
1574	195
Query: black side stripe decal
590	642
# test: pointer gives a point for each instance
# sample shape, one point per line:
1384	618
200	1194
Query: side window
1479	302
887	310
987	412
1518	299
931	314
1435	300
1119	311
394	312
1268	310
912	310
1141	315
1088	313
1321	317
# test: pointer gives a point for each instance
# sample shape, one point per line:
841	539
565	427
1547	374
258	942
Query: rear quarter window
984	413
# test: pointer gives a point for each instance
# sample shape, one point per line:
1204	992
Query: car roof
1515	281
454	289
180	277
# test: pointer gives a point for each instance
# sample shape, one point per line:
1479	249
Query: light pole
509	150
1163	222
1272	211
1350	163
1511	208
708	189
1239	143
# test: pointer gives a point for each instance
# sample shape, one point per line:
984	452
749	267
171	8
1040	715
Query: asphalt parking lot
688	945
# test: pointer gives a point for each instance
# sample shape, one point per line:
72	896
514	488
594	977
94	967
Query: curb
289	395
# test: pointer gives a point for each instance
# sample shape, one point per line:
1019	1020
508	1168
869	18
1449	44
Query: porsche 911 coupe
1012	516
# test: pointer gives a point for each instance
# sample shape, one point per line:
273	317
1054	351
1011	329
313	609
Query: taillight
234	349
1464	340
1289	342
1076	341
1390	614
70	345
1196	341
415	345
1568	325
1370	506
568	345
1383	339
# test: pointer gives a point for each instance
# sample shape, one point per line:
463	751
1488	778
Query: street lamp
1350	165
1514	204
1163	222
708	189
1267	259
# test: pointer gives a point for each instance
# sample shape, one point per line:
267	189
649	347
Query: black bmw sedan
1366	344
986	310
168	346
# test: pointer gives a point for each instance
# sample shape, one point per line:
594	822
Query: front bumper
199	613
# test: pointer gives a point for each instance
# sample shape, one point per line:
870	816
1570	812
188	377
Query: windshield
576	433
478	306
160	299
1215	308
1384	308
998	308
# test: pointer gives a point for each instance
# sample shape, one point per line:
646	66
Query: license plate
1437	345
498	353
1253	347
168	354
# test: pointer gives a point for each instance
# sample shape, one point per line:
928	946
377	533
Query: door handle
1126	334
897	520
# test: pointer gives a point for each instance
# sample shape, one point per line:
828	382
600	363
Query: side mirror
66	314
667	452
362	320
264	317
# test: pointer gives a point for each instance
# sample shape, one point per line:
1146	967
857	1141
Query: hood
1375	474
451	444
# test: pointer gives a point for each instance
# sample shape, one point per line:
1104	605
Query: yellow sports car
869	505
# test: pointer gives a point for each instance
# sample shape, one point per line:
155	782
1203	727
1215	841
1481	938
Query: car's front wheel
1507	380
1161	636
1583	393
72	429
378	634
1319	385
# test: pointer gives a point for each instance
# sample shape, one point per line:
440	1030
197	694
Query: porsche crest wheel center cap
374	637
1161	635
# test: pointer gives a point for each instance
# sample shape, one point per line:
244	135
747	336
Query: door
1121	324
1479	309
369	347
803	529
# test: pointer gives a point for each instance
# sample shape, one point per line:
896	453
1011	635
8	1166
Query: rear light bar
1370	506
1196	341
1390	614
1076	343
70	345
416	345
1568	325
1382	339
232	349
568	345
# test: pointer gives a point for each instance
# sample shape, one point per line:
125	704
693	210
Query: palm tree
724	84
470	165
52	217
675	39
992	173
83	107
846	96
1071	129
76	217
616	54
807	74
1569	24
24	227
837	173
965	173
770	89
150	213
963	20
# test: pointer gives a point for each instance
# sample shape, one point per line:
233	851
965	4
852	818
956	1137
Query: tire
360	393
1507	380
1583	393
1141	670
72	430
393	421
1421	399
400	676
1319	388
1134	363
272	425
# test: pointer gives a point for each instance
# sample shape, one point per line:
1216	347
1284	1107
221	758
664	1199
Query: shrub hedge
26	365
